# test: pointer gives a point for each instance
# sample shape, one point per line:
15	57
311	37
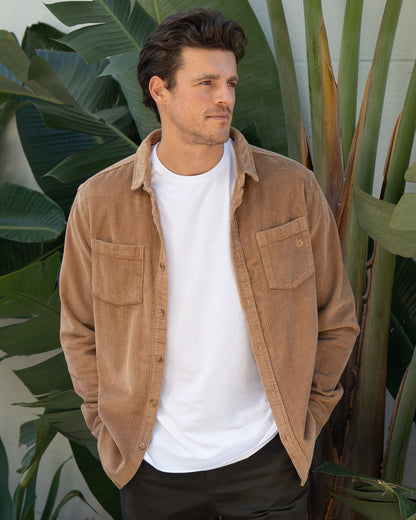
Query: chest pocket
117	272
286	254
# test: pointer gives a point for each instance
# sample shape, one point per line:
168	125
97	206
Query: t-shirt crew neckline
185	179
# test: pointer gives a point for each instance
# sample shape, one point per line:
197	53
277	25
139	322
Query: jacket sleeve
77	320
337	324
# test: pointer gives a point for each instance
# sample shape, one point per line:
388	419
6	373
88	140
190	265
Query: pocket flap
286	254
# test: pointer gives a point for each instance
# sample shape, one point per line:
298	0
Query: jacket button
161	312
142	445
153	403
162	266
159	359
299	242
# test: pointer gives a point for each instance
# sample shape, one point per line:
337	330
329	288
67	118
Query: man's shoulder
273	167
115	177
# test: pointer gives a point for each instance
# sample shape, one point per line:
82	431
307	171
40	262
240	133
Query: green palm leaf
67	400
44	434
118	28
90	160
29	216
47	378
45	148
100	485
31	293
119	32
37	78
374	216
404	216
71	424
6	503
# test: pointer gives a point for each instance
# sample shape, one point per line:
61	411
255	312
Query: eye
232	84
206	82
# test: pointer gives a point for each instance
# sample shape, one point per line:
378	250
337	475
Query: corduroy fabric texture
293	289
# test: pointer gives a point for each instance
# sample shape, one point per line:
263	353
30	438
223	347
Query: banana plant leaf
348	72
99	484
374	216
123	67
410	174
49	513
404	215
44	434
72	425
117	29
31	294
15	255
327	159
22	506
76	120
67	400
361	162
401	424
80	86
370	403
38	434
7	101
376	499
45	148
7	110
42	36
373	345
46	377
118	32
402	339
24	500
90	160
37	78
6	503
298	147
29	216
84	82
69	496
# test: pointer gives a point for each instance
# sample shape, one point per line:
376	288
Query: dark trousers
265	485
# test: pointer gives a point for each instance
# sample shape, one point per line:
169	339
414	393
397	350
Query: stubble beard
212	138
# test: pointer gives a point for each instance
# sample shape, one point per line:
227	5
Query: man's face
198	109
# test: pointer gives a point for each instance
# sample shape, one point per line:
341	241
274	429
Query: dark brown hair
200	28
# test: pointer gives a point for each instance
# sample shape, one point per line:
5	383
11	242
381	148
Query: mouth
222	116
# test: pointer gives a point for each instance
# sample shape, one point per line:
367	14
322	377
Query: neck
189	160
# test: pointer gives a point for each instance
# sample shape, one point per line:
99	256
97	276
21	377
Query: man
206	314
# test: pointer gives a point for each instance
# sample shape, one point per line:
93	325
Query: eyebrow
214	76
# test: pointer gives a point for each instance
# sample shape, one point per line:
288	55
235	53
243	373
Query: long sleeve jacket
292	285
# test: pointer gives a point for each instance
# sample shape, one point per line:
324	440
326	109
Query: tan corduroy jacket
293	290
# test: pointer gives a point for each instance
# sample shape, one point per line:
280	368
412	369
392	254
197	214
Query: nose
225	94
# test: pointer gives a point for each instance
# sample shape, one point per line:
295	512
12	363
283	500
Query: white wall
15	15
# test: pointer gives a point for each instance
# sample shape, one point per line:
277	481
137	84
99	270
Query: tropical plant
344	155
93	114
21	506
374	498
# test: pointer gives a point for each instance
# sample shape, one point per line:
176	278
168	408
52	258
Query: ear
157	89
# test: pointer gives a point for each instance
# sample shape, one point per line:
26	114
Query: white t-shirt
213	409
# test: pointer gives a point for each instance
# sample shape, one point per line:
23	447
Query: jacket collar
141	170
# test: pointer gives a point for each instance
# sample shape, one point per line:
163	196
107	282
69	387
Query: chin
211	139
